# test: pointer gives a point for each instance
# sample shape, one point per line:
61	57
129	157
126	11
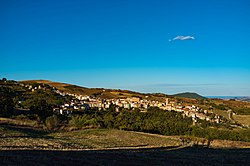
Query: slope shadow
154	156
28	132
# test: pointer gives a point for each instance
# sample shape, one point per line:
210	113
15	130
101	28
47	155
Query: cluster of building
84	102
35	87
194	112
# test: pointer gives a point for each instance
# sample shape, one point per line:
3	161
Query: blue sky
126	44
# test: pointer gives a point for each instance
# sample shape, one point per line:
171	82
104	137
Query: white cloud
182	38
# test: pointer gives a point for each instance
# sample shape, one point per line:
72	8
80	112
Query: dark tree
6	106
42	109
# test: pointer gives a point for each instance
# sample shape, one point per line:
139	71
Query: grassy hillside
98	92
242	119
239	107
219	106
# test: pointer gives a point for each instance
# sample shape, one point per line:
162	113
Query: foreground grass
14	137
22	145
19	134
104	138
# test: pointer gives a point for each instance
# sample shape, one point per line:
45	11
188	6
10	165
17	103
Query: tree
42	109
6	106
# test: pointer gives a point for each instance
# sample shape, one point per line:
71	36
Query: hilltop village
85	102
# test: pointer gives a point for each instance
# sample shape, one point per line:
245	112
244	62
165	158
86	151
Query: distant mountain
189	95
246	98
239	98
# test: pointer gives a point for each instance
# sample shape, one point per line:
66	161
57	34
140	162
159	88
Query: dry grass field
13	137
23	145
242	119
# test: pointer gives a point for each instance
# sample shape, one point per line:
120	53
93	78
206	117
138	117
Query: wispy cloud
182	38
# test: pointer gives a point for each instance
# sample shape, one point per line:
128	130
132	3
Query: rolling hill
220	106
99	92
111	93
189	95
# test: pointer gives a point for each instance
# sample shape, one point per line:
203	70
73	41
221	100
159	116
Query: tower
166	101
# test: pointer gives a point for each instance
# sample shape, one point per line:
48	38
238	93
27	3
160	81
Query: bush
77	121
52	122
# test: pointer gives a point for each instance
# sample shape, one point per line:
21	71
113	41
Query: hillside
24	97
111	93
97	92
219	106
189	95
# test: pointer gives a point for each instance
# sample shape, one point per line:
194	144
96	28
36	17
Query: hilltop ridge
97	92
111	93
218	106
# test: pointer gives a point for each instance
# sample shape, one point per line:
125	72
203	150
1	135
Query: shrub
52	122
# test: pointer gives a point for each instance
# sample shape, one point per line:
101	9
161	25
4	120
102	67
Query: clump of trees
42	109
6	106
154	120
224	134
6	101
